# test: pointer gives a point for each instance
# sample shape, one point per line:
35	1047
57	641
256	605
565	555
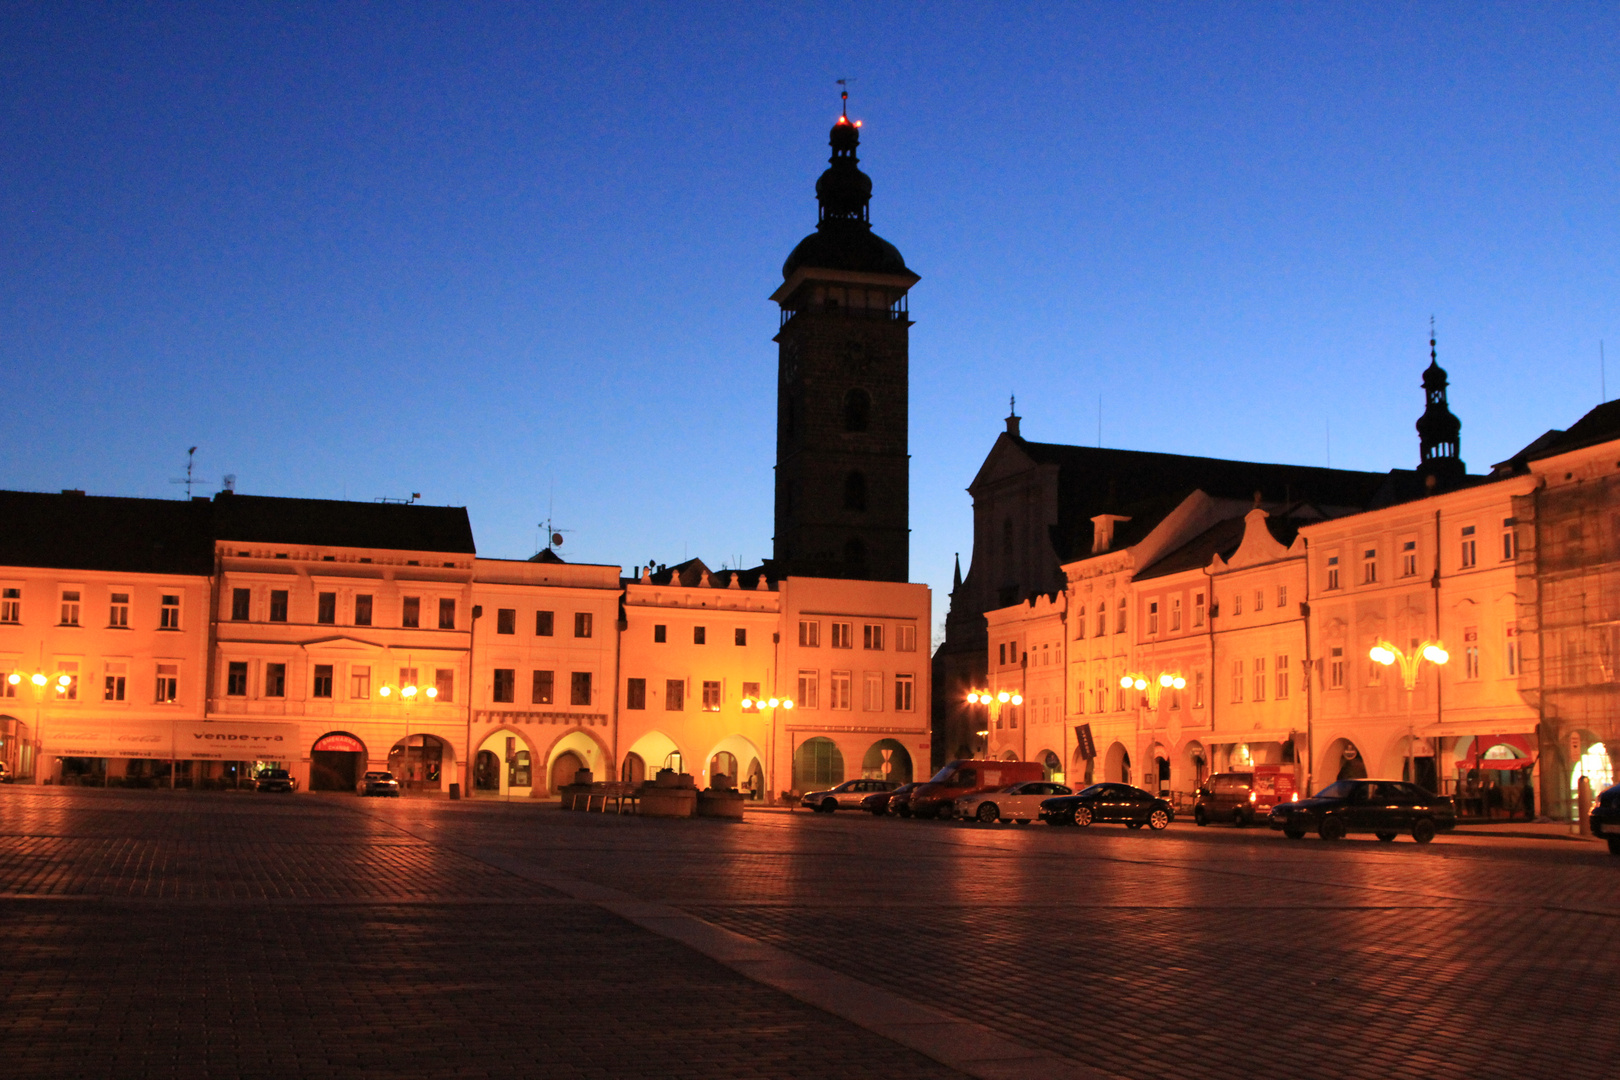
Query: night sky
508	254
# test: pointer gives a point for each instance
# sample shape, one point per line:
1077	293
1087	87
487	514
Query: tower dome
1439	430
844	239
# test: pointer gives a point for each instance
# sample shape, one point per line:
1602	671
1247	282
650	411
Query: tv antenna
554	535
191	460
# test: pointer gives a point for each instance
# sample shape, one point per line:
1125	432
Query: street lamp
1386	654
987	699
1166	680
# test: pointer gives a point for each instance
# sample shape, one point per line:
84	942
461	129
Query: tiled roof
329	522
97	532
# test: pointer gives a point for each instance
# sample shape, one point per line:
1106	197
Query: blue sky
507	254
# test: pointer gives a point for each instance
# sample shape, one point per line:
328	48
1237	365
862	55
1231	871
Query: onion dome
844	239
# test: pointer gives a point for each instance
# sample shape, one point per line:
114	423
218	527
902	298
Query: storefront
1495	776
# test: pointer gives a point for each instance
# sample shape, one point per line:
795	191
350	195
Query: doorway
417	762
563	769
487	772
335	762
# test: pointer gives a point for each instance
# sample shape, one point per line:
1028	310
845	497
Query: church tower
1439	431
842	462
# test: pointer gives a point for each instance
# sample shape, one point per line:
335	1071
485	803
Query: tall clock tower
842	464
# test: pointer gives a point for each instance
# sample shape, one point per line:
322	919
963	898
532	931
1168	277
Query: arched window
857	410
855	491
855	554
817	764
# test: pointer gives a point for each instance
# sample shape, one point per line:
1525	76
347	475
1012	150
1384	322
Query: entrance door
334	770
563	770
487	772
417	762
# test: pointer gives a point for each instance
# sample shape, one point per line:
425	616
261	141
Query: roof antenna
191	456
554	535
1603	372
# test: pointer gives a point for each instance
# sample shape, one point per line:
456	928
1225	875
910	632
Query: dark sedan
1605	818
279	781
1109	802
1385	808
882	802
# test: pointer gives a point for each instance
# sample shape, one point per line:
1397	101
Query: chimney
1102	531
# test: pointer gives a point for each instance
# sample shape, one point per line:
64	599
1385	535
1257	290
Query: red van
967	777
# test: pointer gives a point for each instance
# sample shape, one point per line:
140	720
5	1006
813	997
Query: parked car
276	780
378	782
1109	802
1385	808
967	777
1605	817
877	803
900	799
1239	797
847	795
5	773
1015	802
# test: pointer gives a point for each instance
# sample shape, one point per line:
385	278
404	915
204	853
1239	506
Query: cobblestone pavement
149	934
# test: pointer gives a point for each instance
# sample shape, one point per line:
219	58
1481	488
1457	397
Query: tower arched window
857	410
855	491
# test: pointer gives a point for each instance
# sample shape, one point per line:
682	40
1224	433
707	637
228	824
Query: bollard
1583	806
455	790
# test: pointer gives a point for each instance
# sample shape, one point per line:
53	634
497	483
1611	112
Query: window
275	680
1282	678
278	606
169	612
326	607
444	681
711	696
506	620
1333	572
751	694
447	613
1259	599
855	491
635	693
1237	603
1080	625
1198	689
1470	652
235	679
1369	566
903	688
1470	549
1408	558
70	607
700	635
1198	609
10	605
905	638
241	606
1336	667
1282	596
545	686
872	691
1119	625
116	677
809	634
407	677
362	609
1510	542
1175	614
1153	617
505	685
739	636
545	624
168	683
1102	619
1259	678
323	681
360	681
1237	680
872	635
118	609
660	633
582	624
809	690
580	688
839	695
674	695
1512	651
843	635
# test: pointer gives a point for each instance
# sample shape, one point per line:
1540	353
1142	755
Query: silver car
1015	802
847	795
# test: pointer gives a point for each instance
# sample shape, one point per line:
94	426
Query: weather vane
845	95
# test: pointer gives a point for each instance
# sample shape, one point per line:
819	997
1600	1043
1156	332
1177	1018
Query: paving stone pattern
188	934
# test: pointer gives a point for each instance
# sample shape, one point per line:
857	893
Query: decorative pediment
341	643
1005	460
1258	545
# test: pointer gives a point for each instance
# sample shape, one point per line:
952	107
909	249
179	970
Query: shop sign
339	742
78	737
1083	739
236	740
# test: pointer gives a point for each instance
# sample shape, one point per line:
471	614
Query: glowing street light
1386	654
1166	680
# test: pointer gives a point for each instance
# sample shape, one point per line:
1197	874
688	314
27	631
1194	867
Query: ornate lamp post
1153	687
1387	654
769	705
987	699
